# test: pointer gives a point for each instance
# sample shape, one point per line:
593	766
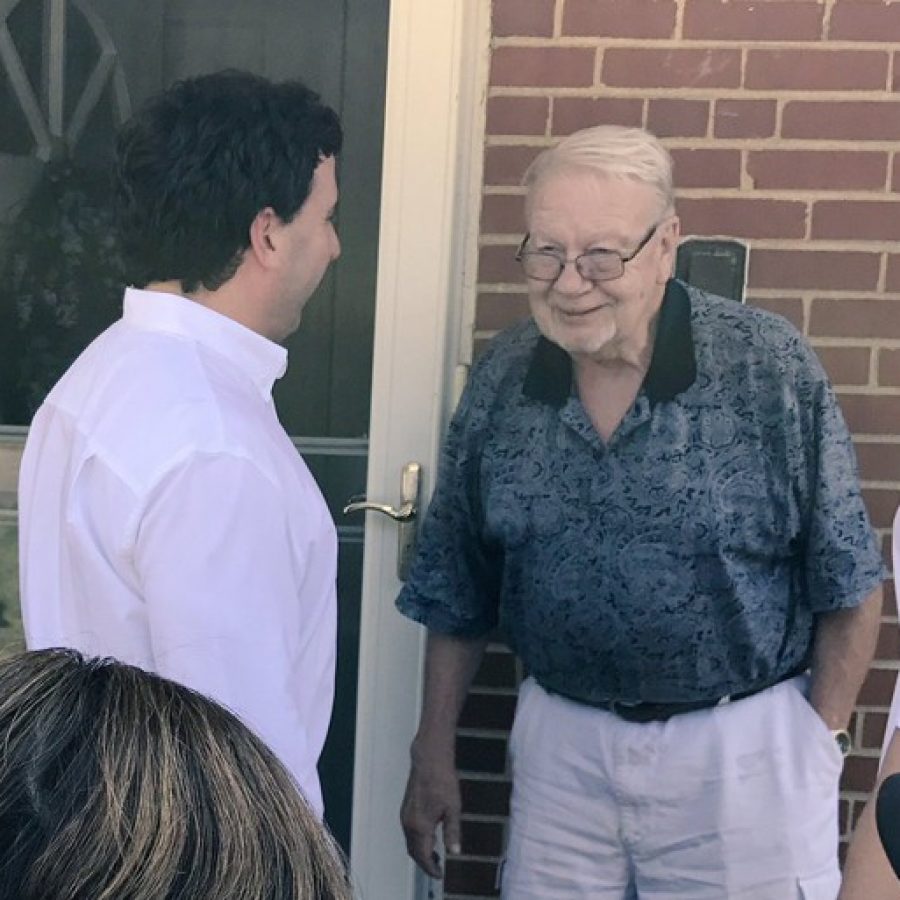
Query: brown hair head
116	784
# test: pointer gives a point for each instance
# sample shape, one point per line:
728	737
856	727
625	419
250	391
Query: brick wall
783	117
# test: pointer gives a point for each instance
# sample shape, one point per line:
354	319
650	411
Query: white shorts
735	801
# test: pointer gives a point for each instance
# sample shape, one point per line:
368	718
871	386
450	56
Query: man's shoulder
125	375
497	375
141	402
728	331
722	315
507	353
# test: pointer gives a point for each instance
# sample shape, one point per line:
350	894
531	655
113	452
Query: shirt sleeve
220	579
453	584
843	561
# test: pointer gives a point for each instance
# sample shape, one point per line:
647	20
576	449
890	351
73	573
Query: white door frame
438	54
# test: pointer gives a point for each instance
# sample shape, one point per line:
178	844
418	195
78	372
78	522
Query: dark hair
116	783
198	162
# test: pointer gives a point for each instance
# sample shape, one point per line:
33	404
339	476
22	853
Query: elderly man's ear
670	232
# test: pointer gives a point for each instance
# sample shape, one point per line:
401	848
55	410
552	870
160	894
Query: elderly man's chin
596	339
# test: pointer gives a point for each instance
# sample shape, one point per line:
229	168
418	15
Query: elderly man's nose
570	279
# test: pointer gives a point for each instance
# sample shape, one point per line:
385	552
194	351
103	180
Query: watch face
844	741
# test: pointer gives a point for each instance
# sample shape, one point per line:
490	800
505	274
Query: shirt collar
673	366
258	358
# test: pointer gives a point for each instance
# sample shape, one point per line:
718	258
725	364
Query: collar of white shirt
260	359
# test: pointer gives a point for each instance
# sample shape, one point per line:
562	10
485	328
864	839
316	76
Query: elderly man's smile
581	313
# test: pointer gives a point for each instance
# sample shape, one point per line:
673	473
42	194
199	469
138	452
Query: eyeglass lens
595	266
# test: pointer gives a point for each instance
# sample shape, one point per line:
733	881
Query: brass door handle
405	514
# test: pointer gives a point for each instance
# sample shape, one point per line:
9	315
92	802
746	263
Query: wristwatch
844	741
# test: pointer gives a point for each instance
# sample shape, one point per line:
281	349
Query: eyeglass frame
521	252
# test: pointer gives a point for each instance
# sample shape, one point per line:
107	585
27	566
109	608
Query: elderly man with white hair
652	493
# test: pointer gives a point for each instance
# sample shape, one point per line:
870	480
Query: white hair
611	150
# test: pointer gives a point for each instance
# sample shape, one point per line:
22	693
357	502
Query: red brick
888	642
743	217
843	815
543	66
507	165
816	70
872	736
482	838
488	711
707	168
860	773
486	755
892	282
846	365
497	264
895	81
619	18
825	269
678	118
517	115
744	118
851	121
498	670
533	18
856	220
503	214
870	413
889	608
871	21
750	20
657	67
572	113
889	376
830	170
850	317
497	311
878	688
881	504
842	853
895	173
467	876
789	307
485	798
878	461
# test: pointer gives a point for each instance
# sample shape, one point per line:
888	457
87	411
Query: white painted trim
436	86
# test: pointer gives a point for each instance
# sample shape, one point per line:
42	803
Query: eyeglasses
594	265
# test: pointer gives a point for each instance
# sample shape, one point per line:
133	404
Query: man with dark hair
166	517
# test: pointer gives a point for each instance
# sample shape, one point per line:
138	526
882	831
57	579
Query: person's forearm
867	873
432	793
843	649
450	666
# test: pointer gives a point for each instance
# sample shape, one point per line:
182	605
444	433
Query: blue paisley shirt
683	560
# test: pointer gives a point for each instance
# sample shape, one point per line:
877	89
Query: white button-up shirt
167	520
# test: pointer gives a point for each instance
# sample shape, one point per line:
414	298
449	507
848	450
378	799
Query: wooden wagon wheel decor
53	136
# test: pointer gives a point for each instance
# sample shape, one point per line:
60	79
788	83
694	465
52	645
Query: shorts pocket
819	731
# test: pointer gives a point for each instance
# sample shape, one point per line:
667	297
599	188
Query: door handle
404	514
